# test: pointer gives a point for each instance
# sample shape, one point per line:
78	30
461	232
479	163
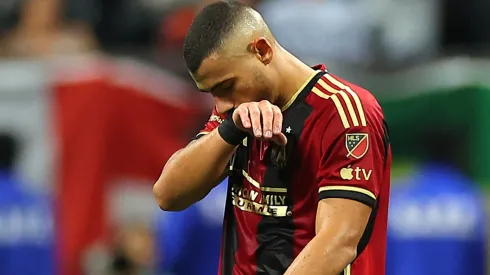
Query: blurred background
94	98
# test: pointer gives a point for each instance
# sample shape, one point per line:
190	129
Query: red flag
108	128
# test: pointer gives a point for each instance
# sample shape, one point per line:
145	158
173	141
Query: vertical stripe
342	86
346	99
276	235
230	231
230	243
340	109
338	105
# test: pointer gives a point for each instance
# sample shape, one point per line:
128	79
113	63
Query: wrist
230	133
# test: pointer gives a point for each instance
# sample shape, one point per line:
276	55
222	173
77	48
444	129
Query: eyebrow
215	86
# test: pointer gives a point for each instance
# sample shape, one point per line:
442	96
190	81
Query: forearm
322	256
192	172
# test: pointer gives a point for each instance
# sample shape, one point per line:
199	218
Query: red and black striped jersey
338	147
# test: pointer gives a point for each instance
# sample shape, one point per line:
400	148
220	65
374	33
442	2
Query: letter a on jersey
357	145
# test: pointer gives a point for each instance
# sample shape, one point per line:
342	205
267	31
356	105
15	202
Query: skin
255	75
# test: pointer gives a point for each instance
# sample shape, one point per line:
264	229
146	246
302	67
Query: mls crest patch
357	145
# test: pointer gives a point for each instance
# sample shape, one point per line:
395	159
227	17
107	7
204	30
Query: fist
262	119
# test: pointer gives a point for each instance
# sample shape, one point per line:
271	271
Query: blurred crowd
369	32
94	98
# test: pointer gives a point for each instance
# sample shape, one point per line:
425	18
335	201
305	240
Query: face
236	79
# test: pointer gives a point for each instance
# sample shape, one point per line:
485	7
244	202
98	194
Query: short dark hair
8	151
211	25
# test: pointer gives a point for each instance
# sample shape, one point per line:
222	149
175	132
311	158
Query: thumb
280	139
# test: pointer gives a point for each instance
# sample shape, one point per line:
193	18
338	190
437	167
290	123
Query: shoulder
337	101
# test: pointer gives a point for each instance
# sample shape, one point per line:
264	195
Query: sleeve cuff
348	192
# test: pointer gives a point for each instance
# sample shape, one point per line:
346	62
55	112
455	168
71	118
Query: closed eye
228	85
224	87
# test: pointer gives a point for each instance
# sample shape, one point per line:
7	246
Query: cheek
250	92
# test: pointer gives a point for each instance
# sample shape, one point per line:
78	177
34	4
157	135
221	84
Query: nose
223	105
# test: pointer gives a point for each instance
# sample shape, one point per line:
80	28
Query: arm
193	171
349	179
340	224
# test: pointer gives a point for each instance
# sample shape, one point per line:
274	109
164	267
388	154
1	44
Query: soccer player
307	154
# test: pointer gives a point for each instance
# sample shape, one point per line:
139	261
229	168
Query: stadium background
97	96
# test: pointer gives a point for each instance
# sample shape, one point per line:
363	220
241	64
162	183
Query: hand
262	119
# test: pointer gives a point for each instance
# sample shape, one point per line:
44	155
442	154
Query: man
26	221
307	154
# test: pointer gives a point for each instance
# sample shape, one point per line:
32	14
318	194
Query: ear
262	48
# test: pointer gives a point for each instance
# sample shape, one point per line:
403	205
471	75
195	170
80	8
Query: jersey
338	147
26	230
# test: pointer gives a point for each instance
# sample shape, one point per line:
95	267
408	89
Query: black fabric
230	132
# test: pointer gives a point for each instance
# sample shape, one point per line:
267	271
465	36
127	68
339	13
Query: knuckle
239	109
265	103
267	110
255	111
253	106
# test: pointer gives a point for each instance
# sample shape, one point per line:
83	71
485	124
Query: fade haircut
212	25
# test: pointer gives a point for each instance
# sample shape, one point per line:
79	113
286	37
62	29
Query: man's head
229	52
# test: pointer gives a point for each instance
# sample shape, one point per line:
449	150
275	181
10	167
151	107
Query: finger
254	114
283	139
244	117
267	118
277	122
280	139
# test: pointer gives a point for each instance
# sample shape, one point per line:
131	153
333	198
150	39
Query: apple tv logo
349	173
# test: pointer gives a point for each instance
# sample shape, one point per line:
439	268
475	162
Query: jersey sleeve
213	122
353	160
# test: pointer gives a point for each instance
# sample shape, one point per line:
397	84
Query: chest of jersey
265	175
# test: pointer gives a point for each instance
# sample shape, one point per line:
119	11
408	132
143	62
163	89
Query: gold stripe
274	189
347	188
360	109
340	109
319	93
290	102
347	270
202	133
346	98
257	184
249	178
337	103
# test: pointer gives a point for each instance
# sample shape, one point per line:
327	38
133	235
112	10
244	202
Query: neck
293	74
